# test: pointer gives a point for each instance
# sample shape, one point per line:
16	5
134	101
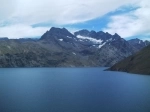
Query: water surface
72	90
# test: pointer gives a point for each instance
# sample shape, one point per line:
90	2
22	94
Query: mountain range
60	48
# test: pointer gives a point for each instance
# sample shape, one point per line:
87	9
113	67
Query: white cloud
133	23
124	25
7	7
20	30
57	12
62	11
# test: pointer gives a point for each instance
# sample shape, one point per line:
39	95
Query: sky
32	18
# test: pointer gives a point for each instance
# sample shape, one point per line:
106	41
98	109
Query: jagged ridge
60	48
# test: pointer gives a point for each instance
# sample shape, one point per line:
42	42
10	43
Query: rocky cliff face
60	48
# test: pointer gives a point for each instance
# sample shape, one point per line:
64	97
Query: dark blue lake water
72	90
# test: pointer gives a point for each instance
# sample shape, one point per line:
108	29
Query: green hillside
138	63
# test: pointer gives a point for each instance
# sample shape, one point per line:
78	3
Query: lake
72	90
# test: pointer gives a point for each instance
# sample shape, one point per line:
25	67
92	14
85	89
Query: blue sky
26	18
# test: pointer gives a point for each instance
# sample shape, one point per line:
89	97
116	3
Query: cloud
62	12
25	13
125	25
21	30
7	8
132	23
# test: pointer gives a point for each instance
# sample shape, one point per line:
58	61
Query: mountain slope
138	44
60	48
98	48
138	63
110	48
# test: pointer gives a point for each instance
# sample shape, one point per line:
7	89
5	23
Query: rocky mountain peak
58	30
138	44
116	36
57	33
83	32
135	41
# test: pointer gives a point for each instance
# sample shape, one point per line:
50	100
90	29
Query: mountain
97	48
60	48
3	38
138	63
138	44
110	48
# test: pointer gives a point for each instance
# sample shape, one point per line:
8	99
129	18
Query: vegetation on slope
138	63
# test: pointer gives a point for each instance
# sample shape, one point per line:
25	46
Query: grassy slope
138	63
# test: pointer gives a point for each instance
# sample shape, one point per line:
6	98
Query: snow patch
101	45
109	40
73	53
69	37
8	47
80	40
96	41
60	39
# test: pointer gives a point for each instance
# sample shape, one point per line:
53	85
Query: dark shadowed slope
138	63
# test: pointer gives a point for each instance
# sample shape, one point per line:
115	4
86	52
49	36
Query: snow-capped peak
69	37
101	45
60	39
95	41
